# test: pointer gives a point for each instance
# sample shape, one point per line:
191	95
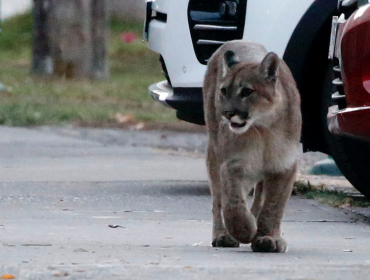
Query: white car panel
272	23
264	20
162	5
175	44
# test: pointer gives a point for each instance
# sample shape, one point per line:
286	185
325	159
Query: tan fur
263	156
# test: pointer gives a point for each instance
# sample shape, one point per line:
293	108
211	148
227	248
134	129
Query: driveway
103	204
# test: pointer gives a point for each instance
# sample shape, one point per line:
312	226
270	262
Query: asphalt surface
62	189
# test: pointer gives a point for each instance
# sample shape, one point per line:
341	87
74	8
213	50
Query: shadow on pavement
178	189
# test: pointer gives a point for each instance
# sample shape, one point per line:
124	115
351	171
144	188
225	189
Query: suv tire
351	155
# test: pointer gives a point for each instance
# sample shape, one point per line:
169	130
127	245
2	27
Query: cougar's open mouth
237	125
237	122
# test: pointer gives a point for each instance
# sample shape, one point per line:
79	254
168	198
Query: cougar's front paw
225	241
269	244
240	223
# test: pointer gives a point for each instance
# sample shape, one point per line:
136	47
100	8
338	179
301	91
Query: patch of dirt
21	63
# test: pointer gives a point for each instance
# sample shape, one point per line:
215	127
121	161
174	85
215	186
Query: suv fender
307	57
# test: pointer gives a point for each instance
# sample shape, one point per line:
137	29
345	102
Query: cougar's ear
230	59
269	67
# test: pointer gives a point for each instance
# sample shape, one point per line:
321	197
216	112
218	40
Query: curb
326	167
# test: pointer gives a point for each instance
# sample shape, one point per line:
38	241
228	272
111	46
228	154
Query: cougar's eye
223	91
246	92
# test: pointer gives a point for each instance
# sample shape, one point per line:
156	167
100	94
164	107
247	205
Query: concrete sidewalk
59	194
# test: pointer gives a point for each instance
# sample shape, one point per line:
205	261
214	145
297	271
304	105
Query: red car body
353	53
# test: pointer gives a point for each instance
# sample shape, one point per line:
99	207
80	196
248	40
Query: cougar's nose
244	115
229	114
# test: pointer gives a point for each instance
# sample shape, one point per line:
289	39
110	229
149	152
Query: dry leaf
128	118
115	226
139	126
60	273
344	206
8	245
80	250
7	276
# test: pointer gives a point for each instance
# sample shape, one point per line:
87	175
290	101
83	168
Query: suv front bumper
160	92
188	102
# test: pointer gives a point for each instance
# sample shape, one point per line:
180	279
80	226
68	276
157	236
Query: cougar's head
247	92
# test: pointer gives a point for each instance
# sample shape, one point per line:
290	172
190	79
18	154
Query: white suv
186	33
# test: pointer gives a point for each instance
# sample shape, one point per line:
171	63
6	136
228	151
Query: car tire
351	155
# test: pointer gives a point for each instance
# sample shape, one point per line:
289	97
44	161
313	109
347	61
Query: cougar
253	119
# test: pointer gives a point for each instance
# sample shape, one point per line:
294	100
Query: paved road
59	192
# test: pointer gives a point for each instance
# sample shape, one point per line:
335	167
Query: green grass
34	101
332	198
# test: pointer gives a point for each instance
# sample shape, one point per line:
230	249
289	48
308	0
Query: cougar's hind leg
220	236
277	188
239	221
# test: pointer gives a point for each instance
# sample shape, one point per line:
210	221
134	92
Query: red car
349	119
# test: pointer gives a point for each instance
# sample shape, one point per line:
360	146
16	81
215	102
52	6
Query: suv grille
214	22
